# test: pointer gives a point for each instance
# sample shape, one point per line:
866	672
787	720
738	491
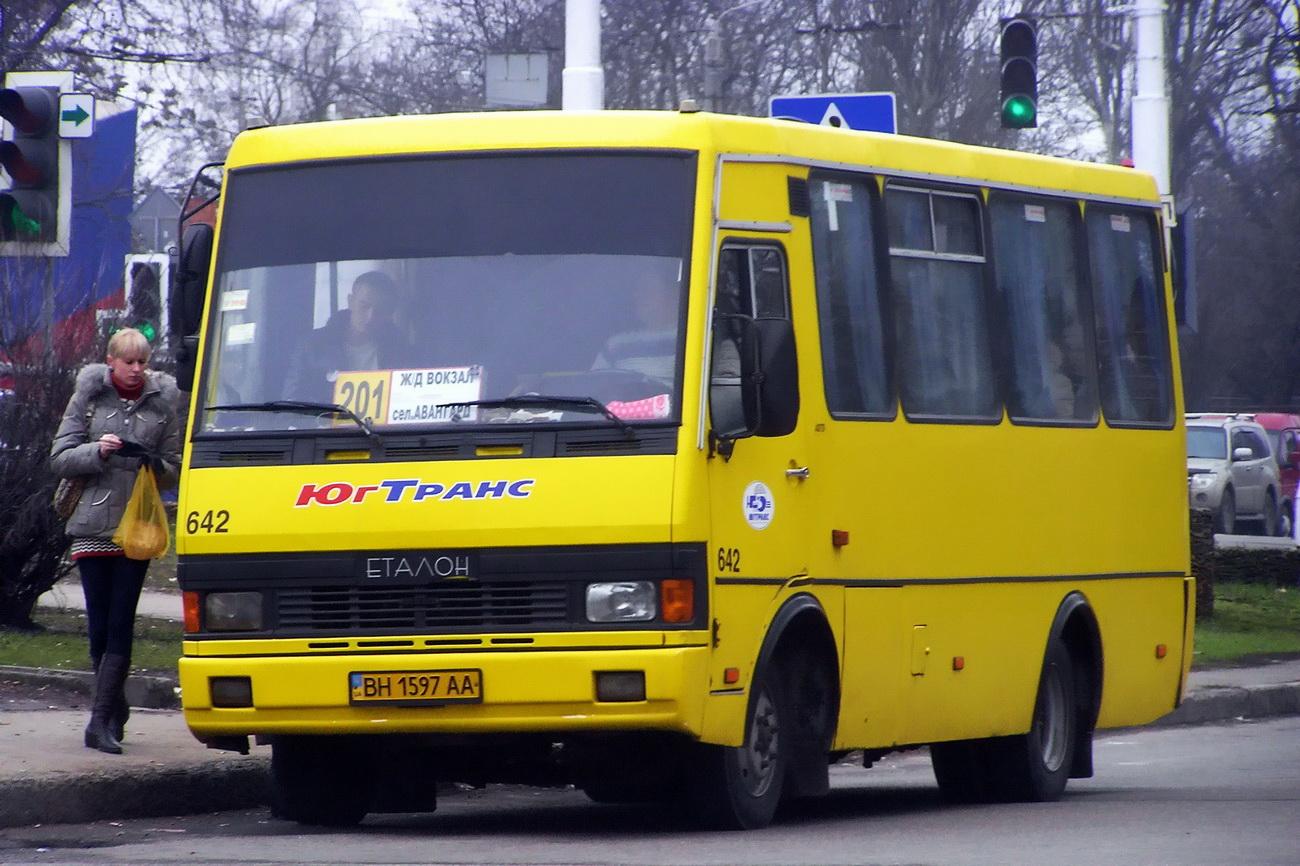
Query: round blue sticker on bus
758	505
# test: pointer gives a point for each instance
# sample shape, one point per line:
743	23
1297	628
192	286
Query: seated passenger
362	336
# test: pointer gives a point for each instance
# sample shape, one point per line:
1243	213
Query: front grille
451	605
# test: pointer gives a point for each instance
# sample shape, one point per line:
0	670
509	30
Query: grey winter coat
153	422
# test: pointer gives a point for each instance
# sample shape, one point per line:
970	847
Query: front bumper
1205	497
528	690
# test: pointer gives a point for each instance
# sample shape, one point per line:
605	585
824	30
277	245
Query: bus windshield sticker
1035	213
241	334
1119	223
835	192
435	395
758	505
234	299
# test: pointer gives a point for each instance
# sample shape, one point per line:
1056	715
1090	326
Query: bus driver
362	336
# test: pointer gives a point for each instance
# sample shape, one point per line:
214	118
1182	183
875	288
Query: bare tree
32	543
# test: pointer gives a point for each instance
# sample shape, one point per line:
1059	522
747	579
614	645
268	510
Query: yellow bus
674	456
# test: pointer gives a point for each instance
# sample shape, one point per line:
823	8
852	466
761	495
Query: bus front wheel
321	781
739	788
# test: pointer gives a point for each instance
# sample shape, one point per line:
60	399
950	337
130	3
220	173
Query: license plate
462	686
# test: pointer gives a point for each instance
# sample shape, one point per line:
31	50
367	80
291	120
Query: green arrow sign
76	116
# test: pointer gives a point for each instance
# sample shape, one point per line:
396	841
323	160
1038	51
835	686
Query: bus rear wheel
1035	766
320	781
1032	767
739	788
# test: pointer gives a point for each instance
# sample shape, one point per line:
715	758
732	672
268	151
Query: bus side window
1043	294
1136	380
850	309
943	353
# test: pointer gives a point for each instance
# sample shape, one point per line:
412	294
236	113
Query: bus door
758	486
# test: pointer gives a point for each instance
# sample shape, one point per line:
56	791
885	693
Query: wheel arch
1076	626
802	619
800	647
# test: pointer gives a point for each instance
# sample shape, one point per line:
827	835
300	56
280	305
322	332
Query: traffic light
29	153
1019	73
147	276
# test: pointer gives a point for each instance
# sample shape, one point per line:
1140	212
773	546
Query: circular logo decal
758	505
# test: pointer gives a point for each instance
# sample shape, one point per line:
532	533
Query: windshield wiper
523	400
302	407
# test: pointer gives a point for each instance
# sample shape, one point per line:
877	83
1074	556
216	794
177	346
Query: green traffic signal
15	224
148	330
1019	112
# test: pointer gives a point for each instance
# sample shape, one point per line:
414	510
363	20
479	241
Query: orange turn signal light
731	676
1161	650
191	607
677	600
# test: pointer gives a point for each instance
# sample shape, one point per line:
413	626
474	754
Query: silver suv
1231	471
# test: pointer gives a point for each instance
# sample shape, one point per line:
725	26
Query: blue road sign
869	112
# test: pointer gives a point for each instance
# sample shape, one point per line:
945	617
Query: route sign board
868	112
76	115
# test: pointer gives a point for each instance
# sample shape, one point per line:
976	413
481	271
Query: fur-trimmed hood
94	379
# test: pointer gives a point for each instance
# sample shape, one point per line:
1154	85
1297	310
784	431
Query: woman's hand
108	443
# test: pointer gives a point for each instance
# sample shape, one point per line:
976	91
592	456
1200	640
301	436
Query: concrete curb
1225	703
240	783
146	691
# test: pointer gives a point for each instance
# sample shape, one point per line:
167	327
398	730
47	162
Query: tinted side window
943	357
1041	286
1256	443
848	297
751	283
1136	380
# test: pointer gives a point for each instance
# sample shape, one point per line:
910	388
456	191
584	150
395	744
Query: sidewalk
48	776
66	594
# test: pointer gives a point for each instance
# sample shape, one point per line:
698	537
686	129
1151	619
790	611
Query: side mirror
1243	453
189	288
773	380
754	388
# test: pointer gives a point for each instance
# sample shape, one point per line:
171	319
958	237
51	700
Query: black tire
1034	767
320	781
963	770
1225	521
1284	520
1270	514
739	788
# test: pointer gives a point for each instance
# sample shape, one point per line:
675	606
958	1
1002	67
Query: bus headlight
621	601
232	611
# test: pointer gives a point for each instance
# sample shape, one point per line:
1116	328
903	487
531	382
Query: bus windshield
418	293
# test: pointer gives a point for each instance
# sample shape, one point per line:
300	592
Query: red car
1284	428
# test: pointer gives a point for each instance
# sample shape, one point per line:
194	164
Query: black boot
109	682
122	711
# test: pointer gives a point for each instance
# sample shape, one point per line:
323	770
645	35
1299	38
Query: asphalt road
1222	794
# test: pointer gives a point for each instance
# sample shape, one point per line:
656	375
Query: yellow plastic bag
143	532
